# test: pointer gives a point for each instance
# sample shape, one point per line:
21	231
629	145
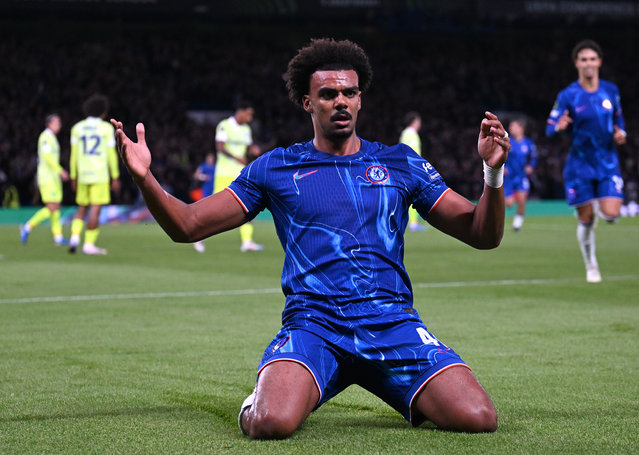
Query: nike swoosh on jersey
298	176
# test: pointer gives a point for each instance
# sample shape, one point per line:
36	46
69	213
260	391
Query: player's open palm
493	143
135	155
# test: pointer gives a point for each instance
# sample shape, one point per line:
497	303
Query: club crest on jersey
377	174
281	343
606	104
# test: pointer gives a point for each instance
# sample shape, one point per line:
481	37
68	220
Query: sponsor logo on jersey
579	109
298	176
606	104
430	170
377	174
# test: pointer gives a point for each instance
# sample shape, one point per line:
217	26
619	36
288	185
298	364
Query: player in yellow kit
410	137
94	172
233	139
50	177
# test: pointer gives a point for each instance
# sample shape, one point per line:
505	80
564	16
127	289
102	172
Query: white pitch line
164	295
148	295
453	284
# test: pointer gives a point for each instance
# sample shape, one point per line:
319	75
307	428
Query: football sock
586	239
37	218
91	235
76	230
56	226
246	232
518	221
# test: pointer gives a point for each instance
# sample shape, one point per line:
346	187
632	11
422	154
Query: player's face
333	101
55	124
245	115
588	63
516	130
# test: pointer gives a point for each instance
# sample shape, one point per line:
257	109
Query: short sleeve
249	189
427	185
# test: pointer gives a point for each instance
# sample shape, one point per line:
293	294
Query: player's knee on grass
476	419
269	425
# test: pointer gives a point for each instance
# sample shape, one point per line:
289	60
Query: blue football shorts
512	185
581	191
393	361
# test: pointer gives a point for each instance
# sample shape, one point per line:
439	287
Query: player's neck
589	84
348	146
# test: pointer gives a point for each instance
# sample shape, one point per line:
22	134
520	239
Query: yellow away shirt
236	139
411	138
48	158
93	156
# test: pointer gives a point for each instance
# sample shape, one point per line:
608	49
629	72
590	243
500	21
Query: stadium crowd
158	76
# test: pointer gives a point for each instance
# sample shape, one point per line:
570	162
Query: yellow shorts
51	192
93	194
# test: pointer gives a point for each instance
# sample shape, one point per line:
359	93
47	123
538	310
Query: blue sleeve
532	158
557	110
249	189
428	187
618	112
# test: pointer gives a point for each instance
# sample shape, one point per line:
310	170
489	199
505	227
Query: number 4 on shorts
426	337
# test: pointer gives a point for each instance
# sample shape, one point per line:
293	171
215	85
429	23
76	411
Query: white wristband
494	178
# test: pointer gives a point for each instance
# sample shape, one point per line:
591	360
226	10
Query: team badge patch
281	343
377	174
606	104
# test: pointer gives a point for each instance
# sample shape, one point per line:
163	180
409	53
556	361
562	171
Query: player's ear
306	104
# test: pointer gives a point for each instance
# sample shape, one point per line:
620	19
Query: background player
233	137
591	108
94	172
340	207
410	137
520	164
205	174
50	177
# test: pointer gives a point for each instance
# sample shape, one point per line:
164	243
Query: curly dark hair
326	54
586	44
96	106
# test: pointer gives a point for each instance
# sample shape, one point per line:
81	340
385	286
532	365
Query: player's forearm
171	214
52	163
488	219
73	171
551	128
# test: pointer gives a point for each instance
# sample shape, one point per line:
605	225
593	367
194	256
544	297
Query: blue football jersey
592	154
522	153
341	223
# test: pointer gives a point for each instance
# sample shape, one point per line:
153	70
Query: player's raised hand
564	121
135	155
493	143
618	135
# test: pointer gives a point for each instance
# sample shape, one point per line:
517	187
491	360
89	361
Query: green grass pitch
152	348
